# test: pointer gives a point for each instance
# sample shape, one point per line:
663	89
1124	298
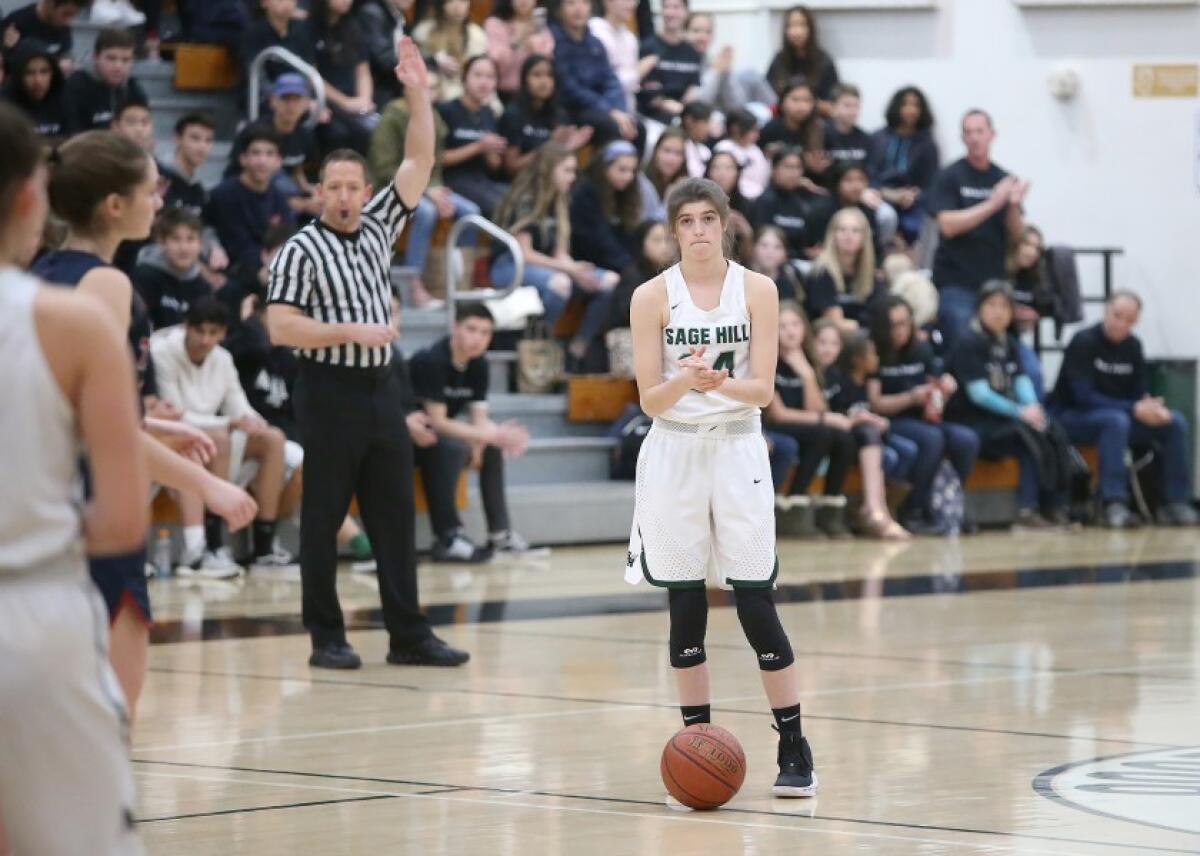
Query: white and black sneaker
797	778
209	564
456	547
278	559
510	544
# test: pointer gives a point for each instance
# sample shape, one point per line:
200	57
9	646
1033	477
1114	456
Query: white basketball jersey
39	517
725	334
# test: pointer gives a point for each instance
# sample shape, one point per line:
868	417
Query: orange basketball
703	766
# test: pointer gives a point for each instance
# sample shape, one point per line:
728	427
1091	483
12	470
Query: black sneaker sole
343	663
796	791
404	658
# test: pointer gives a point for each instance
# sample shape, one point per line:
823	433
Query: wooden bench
203	67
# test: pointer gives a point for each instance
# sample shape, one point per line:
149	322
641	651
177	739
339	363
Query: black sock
696	713
264	537
213	531
787	718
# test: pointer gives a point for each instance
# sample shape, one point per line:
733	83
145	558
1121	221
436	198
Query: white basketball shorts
705	507
66	786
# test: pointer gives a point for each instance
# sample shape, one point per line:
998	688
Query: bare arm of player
412	177
647	317
762	300
88	357
224	499
289	326
112	288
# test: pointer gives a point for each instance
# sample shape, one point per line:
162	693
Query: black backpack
629	431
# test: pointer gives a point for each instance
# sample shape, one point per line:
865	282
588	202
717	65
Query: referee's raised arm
412	176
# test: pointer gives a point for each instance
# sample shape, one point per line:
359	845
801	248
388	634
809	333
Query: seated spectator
743	132
474	152
94	95
1100	397
791	204
666	166
903	158
845	142
450	377
289	106
171	280
843	281
674	77
655	254
978	210
1033	297
45	21
220	22
516	30
452	39
798	125
997	400
36	85
723	169
850	188
696	120
910	387
193	144
198	376
801	56
132	120
534	117
771	259
381	22
727	90
622	47
438	201
588	88
243	207
279	26
536	212
606	208
349	87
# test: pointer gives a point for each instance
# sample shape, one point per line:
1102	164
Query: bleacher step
550	460
543	415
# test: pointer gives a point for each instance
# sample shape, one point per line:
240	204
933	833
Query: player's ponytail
22	153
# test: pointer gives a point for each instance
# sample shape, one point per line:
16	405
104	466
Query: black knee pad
689	622
760	622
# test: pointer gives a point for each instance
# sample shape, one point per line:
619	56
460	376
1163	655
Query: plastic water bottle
162	555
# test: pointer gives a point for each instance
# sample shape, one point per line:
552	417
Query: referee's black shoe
335	655
429	652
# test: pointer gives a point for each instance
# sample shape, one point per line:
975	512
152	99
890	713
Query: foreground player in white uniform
705	337
65	377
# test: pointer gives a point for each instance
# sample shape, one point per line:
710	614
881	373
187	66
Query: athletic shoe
278	559
797	778
1177	514
1029	519
1061	517
116	12
335	655
510	544
209	564
456	547
1118	516
429	652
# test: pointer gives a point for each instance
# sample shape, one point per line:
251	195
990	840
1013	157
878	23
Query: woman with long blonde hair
842	280
536	210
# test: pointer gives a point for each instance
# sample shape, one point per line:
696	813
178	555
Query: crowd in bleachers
568	127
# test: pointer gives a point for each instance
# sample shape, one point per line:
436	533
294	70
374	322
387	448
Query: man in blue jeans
978	210
1101	398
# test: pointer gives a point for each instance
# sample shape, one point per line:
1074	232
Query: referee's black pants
356	443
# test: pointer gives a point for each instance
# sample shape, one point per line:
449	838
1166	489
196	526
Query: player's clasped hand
703	377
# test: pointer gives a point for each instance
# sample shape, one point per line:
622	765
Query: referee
330	297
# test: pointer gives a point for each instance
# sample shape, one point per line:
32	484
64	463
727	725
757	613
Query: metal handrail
452	264
286	56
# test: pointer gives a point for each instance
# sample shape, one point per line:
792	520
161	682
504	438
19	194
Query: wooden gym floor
1033	694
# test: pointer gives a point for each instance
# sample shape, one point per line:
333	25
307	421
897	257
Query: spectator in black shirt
132	119
790	204
978	210
1033	298
910	387
95	95
770	258
380	22
606	209
843	281
666	166
193	144
675	74
801	56
849	187
451	377
278	27
1101	398
349	87
243	207
35	84
474	152
534	117
655	254
46	21
845	142
170	281
903	158
723	169
798	125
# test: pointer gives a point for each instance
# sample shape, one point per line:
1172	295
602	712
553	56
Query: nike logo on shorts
756	481
676	306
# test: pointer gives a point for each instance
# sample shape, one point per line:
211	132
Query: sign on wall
1166	81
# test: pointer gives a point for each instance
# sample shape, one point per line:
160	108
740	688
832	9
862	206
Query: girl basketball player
705	338
105	188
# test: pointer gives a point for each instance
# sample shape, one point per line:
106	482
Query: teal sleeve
1026	394
986	398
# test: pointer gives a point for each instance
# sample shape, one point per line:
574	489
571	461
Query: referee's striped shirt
341	278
